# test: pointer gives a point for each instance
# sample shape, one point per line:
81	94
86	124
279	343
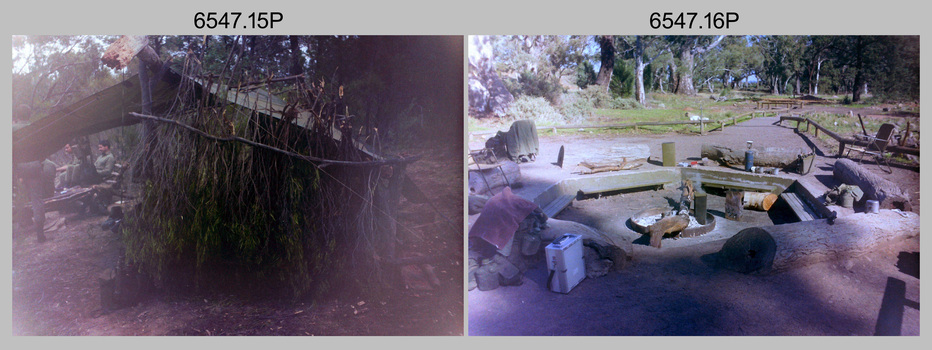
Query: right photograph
632	185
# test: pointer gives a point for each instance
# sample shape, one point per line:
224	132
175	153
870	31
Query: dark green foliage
585	74
622	84
532	83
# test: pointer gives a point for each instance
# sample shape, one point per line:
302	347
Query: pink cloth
501	217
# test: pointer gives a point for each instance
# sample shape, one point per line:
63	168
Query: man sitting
104	163
66	173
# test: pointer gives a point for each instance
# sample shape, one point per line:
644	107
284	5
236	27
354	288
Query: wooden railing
844	141
702	124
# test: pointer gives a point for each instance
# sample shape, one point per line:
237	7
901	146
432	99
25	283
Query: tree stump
772	249
734	202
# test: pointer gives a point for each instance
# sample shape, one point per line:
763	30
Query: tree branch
323	162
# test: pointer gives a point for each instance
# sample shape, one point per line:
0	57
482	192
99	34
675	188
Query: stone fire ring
686	233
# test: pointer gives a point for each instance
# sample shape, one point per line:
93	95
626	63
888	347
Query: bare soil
56	290
674	291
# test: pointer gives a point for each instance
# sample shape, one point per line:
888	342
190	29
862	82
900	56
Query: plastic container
565	263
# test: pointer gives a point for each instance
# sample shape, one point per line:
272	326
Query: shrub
596	95
535	108
625	103
576	107
622	83
585	74
534	83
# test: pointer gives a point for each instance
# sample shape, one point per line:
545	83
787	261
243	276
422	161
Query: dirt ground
56	290
673	291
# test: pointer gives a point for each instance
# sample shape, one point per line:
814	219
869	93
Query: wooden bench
557	205
800	208
585	191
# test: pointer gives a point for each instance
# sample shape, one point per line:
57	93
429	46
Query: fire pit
641	222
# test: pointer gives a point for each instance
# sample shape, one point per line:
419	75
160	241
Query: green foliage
622	84
625	103
51	72
576	107
585	74
596	96
535	108
535	84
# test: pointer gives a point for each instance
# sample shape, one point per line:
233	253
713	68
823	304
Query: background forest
560	79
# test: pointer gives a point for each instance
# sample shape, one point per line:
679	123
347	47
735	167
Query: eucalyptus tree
644	50
688	48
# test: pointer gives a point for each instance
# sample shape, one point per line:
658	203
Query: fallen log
767	157
875	187
598	167
759	200
488	179
669	224
778	248
598	246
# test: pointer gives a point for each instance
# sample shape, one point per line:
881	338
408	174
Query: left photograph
237	185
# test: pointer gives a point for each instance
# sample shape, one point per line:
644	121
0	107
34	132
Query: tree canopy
886	67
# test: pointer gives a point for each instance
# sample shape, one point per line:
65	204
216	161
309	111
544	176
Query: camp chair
876	145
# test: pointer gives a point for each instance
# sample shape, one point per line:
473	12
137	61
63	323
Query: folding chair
876	145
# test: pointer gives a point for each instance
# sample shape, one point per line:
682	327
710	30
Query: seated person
105	162
66	176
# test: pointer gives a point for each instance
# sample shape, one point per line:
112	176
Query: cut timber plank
621	186
557	205
802	210
762	187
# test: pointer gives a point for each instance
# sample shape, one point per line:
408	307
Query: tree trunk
859	72
875	187
607	46
769	157
778	248
297	62
639	93
685	84
818	70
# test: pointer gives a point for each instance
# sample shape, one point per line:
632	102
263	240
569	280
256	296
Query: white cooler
565	262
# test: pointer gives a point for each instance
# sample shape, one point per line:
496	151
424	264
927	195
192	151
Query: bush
585	74
535	84
576	107
625	103
622	83
537	109
596	95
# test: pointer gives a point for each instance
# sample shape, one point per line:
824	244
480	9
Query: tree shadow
890	317
908	263
815	149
